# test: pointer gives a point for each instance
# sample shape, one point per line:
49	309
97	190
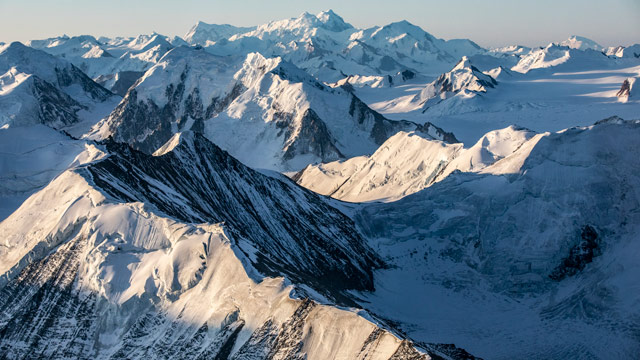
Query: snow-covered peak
407	162
39	88
396	30
463	78
304	25
498	72
632	51
175	141
554	55
202	33
61	44
492	147
463	64
256	66
332	21
143	43
581	43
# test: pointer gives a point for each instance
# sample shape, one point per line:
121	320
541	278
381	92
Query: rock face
266	112
182	254
267	214
627	90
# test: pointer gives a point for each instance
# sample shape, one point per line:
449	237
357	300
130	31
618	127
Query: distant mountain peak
463	78
462	64
203	32
333	21
581	43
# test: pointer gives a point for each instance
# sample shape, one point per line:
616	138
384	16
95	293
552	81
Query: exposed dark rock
407	75
407	352
310	244
56	108
580	255
625	89
314	138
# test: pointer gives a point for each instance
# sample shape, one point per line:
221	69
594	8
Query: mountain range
304	189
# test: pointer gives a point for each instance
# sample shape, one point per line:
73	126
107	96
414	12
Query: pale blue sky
488	22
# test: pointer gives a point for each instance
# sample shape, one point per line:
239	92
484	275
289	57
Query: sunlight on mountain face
304	189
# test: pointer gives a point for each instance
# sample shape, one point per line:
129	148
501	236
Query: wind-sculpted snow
166	256
266	112
546	235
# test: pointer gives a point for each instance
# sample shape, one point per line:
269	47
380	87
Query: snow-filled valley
305	189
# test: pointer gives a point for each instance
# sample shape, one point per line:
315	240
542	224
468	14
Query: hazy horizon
491	24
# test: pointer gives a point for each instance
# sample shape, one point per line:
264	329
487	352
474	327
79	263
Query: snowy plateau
304	189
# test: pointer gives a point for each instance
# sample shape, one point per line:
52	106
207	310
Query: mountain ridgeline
266	104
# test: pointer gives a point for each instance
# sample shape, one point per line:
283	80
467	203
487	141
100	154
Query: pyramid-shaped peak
464	63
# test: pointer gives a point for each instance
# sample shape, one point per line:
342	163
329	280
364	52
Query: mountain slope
121	266
263	213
